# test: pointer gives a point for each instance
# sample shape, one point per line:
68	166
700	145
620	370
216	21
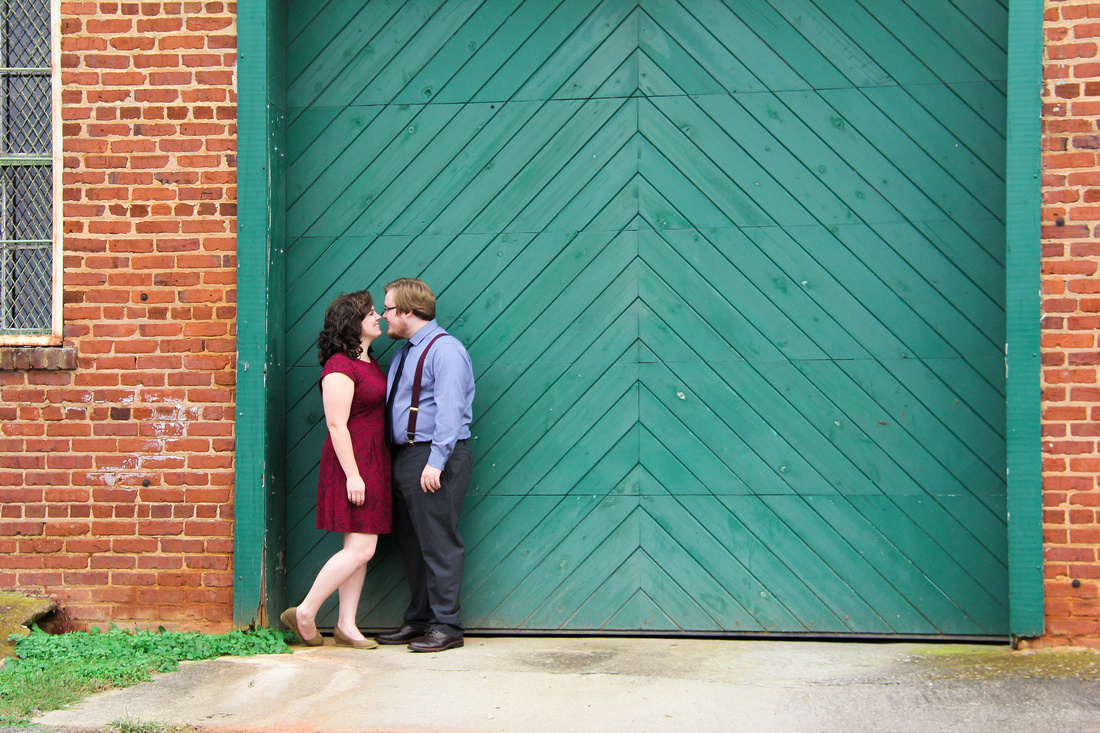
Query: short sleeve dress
366	423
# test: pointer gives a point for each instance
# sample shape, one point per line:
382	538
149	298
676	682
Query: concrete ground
556	684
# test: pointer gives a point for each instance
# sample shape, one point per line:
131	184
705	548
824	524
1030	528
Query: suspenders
414	406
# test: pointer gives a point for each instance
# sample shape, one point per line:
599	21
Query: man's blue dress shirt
446	392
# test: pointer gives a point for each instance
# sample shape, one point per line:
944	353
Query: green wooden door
731	275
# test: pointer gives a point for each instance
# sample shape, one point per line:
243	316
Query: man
431	464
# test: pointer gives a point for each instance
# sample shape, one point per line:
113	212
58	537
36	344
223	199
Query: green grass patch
137	726
50	672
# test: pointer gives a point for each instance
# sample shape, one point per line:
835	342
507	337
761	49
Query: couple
423	412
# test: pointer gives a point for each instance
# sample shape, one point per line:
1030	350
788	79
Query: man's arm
453	393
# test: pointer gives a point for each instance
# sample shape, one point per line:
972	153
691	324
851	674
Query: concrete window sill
46	358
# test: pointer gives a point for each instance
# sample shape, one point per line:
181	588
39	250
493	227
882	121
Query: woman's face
372	326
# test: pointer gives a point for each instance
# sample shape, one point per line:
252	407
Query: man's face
397	327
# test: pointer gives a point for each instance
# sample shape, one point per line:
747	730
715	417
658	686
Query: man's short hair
410	294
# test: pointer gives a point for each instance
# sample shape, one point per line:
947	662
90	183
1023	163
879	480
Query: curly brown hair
344	326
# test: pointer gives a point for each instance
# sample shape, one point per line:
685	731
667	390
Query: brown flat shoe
343	640
289	618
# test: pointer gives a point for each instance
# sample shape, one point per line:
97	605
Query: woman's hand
357	490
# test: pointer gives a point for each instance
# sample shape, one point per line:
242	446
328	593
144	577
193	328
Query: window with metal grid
26	168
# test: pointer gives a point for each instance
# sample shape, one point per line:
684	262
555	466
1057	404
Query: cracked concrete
544	685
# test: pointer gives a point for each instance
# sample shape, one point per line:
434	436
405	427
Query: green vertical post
259	584
1022	189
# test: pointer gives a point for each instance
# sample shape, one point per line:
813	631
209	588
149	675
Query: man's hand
429	479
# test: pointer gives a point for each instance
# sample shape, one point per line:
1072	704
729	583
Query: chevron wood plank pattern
731	274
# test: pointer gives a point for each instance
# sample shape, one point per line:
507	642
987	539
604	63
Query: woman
353	492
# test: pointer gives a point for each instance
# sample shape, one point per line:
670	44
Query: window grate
26	170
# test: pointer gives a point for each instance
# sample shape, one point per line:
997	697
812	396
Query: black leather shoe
434	640
401	636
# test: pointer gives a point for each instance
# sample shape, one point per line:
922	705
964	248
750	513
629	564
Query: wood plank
568	59
359	50
877	545
313	26
739	337
950	283
420	169
609	70
969	256
717	163
818	31
428	71
300	13
525	542
590	261
907	156
461	164
360	134
943	50
540	441
926	405
540	163
716	411
808	67
725	51
775	545
922	471
834	187
641	595
591	551
493	53
661	58
713	540
608	202
601	166
966	125
860	27
700	265
991	16
540	438
986	100
981	351
976	163
334	199
602	462
416	41
678	461
539	62
816	141
950	574
983	555
726	461
842	552
641	612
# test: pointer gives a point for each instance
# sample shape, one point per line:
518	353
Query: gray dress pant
426	524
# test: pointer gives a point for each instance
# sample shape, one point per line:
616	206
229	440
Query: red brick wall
1071	322
116	481
149	189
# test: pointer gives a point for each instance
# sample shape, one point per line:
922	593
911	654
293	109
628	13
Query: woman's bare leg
340	569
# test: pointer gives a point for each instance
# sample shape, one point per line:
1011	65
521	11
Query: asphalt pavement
565	684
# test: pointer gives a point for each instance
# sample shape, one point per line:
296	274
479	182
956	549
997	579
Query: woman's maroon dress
366	424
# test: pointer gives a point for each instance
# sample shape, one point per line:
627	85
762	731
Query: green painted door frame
260	534
259	582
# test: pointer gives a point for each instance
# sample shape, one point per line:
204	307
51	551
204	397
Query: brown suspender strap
414	403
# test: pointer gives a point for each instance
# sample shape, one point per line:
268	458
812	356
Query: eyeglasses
388	308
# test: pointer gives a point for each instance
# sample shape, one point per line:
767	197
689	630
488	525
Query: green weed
127	725
49	672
